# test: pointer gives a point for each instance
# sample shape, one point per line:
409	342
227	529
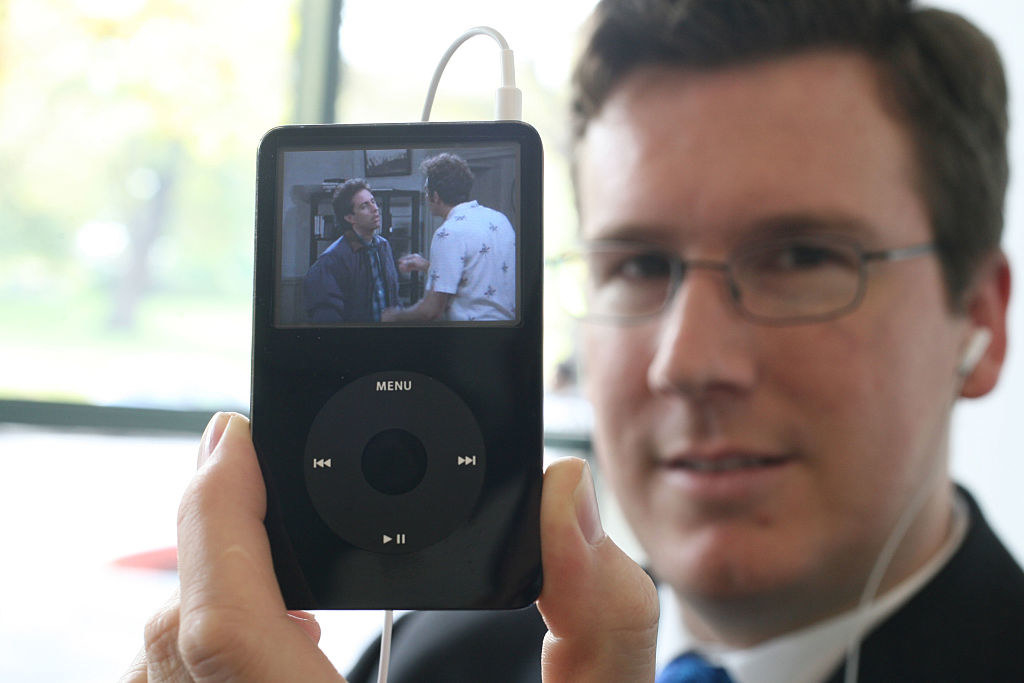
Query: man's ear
986	306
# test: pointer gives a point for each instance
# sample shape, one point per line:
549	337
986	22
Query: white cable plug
508	104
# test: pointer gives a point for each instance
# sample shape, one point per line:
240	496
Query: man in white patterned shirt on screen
472	268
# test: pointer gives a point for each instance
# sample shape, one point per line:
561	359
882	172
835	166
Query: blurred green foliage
128	134
127	141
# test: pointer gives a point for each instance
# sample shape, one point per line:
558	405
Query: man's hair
939	76
449	176
342	198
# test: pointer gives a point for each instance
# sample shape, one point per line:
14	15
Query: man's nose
702	342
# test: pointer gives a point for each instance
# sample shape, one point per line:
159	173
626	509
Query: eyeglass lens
776	280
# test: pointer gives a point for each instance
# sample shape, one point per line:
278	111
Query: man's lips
721	475
723	461
725	474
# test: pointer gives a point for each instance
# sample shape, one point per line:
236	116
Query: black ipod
396	402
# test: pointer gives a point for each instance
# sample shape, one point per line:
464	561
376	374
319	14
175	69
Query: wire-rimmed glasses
774	281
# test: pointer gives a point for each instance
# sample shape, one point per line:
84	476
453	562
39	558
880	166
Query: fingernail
211	436
308	623
587	514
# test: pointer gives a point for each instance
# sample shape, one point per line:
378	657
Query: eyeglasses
778	281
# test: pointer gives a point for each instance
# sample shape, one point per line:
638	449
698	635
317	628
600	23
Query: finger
233	622
136	673
600	607
161	658
308	623
211	436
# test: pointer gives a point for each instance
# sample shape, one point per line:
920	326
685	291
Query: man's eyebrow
798	223
636	232
786	224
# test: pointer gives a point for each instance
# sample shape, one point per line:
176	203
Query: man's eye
629	268
644	267
797	257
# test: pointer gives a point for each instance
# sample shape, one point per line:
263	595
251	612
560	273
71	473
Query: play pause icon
397	539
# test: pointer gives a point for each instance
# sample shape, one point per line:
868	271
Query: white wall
988	433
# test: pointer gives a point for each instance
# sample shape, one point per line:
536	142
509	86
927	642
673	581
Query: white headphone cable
509	99
508	105
976	347
878	570
385	647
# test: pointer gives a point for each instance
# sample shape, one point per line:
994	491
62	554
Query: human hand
600	607
388	314
229	621
411	262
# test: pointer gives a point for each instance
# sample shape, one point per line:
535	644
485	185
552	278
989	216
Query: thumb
600	607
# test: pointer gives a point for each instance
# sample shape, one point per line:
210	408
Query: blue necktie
692	668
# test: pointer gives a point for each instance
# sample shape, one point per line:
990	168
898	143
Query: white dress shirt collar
812	653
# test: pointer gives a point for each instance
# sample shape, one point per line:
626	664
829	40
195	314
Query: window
127	137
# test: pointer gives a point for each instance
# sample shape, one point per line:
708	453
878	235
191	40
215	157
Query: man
472	268
355	279
790	213
768	442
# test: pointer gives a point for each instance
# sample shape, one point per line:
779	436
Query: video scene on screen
408	236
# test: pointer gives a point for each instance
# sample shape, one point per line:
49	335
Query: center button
394	461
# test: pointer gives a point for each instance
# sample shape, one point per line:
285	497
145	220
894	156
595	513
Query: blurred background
128	135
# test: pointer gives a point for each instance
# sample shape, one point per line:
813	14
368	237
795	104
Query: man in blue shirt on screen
355	279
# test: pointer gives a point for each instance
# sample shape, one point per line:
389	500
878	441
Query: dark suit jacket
965	625
339	286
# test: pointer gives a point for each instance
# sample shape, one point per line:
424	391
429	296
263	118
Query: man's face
365	216
819	434
433	201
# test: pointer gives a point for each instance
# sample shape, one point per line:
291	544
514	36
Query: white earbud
976	346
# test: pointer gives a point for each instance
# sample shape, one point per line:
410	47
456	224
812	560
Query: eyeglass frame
680	266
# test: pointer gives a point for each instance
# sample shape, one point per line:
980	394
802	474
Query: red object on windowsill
162	559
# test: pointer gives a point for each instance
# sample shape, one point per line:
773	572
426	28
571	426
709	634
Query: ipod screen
399	236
